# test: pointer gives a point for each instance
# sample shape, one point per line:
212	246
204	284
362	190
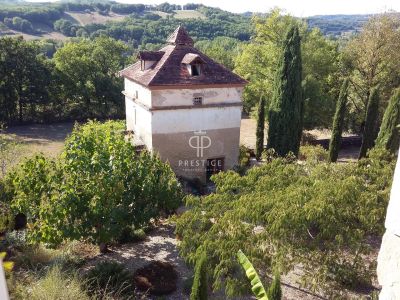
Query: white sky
299	8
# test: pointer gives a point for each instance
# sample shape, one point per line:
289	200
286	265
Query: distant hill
338	25
141	24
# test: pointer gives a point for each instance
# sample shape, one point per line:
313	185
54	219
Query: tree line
287	105
79	82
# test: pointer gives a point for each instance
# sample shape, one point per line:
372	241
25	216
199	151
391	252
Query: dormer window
149	58
195	69
194	64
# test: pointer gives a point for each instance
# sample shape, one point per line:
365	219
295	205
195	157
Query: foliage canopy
283	214
98	187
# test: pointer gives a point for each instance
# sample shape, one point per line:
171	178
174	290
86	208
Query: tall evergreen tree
337	127
286	111
369	132
389	134
260	128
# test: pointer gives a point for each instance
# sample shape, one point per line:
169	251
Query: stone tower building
185	106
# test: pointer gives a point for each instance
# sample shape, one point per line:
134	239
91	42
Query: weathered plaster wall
172	97
183	159
187	120
144	94
139	120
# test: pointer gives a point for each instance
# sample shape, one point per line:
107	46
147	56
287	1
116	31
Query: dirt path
160	244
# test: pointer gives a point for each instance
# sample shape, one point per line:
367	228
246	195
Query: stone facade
166	120
185	107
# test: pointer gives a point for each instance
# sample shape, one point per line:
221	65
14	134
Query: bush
19	24
109	278
6	217
130	235
313	153
57	285
98	187
285	214
36	257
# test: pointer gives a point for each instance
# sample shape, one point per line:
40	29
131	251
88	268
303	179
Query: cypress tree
260	128
286	111
389	134
337	127
199	287
274	291
369	132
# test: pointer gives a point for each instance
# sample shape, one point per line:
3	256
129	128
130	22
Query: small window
197	100
136	94
195	70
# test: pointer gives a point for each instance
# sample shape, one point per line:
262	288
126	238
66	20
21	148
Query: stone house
185	106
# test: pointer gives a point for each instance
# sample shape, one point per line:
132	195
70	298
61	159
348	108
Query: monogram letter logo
199	141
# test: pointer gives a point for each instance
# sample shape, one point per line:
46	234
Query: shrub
317	215
129	235
98	187
6	218
313	153
57	285
35	257
109	278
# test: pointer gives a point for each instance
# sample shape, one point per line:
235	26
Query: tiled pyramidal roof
170	67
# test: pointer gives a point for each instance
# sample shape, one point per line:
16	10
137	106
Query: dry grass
94	17
189	14
182	14
58	285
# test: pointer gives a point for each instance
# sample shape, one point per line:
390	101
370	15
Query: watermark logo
200	141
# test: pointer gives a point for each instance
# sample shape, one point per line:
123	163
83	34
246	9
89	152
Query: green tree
222	49
260	128
275	291
25	79
371	57
200	281
370	132
337	127
286	110
99	187
88	71
258	60
388	136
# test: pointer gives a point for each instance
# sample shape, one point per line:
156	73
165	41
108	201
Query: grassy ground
25	141
94	17
182	14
